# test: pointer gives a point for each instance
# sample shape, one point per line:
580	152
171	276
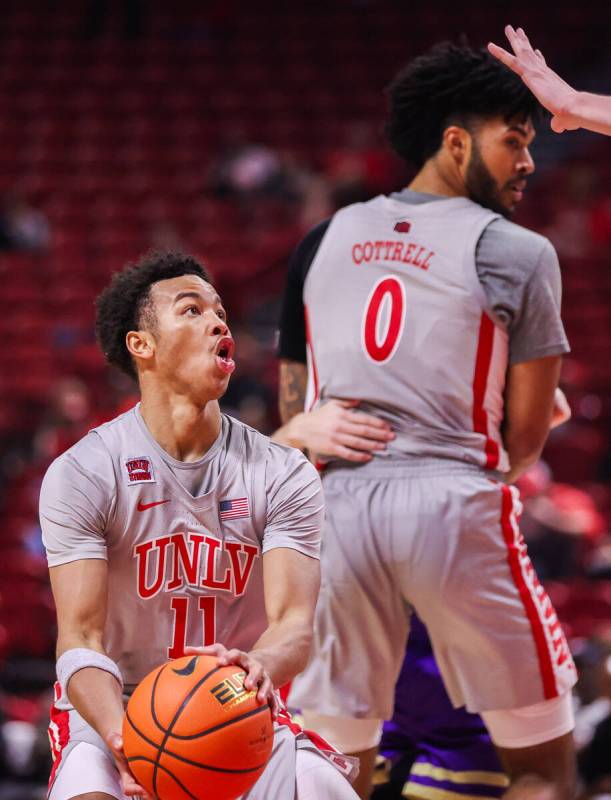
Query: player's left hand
548	87
339	429
257	678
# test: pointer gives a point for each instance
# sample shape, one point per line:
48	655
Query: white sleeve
295	506
76	499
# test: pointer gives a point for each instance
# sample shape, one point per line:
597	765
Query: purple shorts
434	747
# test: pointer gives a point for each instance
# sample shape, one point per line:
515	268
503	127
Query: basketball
191	730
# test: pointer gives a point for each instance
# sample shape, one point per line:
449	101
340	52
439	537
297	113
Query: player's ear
140	344
457	143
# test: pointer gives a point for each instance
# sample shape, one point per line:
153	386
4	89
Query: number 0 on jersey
383	319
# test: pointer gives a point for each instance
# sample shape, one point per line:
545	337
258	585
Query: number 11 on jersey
180	607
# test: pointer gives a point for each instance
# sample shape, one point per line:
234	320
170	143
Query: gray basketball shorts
442	538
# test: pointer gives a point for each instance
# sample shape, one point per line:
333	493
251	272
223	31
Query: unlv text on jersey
193	559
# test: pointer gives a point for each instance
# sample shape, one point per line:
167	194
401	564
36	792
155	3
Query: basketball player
570	109
174	525
442	317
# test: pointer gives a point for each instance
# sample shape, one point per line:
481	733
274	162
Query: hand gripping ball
193	732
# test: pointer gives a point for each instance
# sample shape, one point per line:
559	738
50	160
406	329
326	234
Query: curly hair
450	84
125	305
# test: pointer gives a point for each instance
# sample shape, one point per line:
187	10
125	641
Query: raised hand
549	88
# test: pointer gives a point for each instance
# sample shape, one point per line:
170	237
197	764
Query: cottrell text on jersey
392	250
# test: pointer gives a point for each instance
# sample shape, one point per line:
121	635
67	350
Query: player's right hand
257	677
130	786
336	429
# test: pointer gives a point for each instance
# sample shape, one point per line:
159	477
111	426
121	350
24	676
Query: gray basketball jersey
181	569
397	317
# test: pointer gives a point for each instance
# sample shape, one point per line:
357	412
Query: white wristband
80	658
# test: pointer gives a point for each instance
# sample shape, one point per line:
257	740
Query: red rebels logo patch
139	470
403	226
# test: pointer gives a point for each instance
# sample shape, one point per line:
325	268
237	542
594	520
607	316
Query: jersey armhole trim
71	559
288	544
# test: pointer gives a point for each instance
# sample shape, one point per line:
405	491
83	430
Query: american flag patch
232	509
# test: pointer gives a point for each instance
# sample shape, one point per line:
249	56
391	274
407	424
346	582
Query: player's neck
185	430
436	178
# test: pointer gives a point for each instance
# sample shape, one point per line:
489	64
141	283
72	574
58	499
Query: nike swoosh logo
188	668
144	506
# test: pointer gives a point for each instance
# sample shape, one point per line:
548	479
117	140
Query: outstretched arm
570	109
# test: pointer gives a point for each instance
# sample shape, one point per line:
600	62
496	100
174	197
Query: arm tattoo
293	383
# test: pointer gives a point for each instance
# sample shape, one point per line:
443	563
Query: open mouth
517	189
225	349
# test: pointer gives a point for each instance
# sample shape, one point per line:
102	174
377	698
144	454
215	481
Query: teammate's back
397	317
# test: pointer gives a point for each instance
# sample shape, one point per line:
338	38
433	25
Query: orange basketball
191	730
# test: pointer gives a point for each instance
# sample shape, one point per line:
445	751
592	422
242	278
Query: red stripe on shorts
284	718
59	733
346	765
480	383
515	547
312	360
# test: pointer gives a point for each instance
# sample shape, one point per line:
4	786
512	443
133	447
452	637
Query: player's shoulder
276	456
525	243
91	453
286	466
87	464
117	425
381	203
288	456
87	446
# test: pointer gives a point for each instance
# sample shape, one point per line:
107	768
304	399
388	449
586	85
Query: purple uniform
434	747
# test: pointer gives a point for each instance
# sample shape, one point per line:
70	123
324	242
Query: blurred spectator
68	417
22	227
361	167
561	525
245	169
599	561
163	235
317	203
